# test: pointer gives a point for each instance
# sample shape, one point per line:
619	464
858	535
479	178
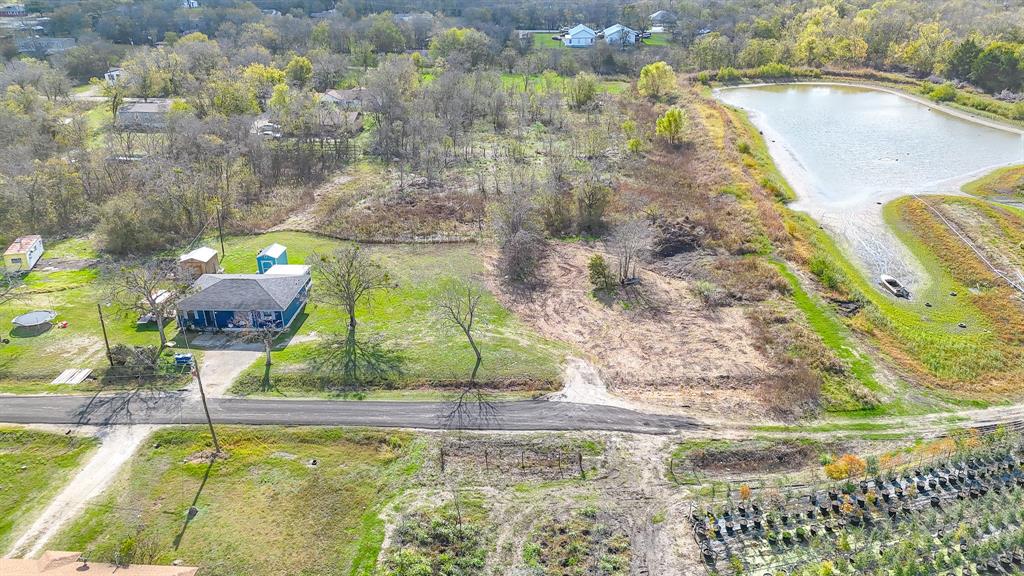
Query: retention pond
848	149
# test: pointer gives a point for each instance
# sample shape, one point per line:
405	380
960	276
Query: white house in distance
113	75
579	36
619	35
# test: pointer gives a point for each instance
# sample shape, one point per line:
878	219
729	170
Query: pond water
846	145
846	150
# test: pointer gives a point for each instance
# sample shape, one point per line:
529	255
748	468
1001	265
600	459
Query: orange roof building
70	564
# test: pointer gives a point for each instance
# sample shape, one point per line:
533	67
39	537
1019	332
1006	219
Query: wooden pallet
72	376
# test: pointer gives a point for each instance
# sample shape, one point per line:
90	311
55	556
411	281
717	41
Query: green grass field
33	467
402	320
296	518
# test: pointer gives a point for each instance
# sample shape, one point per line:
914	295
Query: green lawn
546	40
264	510
402	321
658	39
32	359
33	467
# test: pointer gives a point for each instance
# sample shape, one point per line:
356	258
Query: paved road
174	408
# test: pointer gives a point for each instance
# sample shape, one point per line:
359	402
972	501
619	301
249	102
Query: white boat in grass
893	286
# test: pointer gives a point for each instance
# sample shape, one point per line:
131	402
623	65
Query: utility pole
202	395
106	342
220	230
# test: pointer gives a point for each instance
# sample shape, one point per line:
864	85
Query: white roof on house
288	270
274	250
613	29
581	30
203	254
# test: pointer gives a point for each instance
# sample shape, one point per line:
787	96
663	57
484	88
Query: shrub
828	273
582	90
744	148
728	74
704	77
656	80
672	125
710	295
943	93
774	70
635	146
846	466
600	274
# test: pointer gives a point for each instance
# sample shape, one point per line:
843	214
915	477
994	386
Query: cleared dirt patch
670	352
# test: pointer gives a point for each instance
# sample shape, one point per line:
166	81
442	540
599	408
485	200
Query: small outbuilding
237	302
271	256
203	260
579	36
23	253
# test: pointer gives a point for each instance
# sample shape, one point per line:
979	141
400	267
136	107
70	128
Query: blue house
236	302
271	256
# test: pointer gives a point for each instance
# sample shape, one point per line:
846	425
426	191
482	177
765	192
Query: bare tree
9	284
347	276
630	241
517	228
456	303
257	329
149	289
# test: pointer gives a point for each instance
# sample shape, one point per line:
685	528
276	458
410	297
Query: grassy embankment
1002	184
31	360
852	390
33	467
964	365
398	328
296	518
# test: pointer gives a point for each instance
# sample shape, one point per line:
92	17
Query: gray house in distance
236	302
150	116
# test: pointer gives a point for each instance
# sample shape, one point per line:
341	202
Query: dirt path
305	220
118	445
582	384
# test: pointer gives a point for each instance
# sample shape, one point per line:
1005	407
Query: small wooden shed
200	261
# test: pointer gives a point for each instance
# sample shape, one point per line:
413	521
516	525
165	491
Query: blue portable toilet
270	257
